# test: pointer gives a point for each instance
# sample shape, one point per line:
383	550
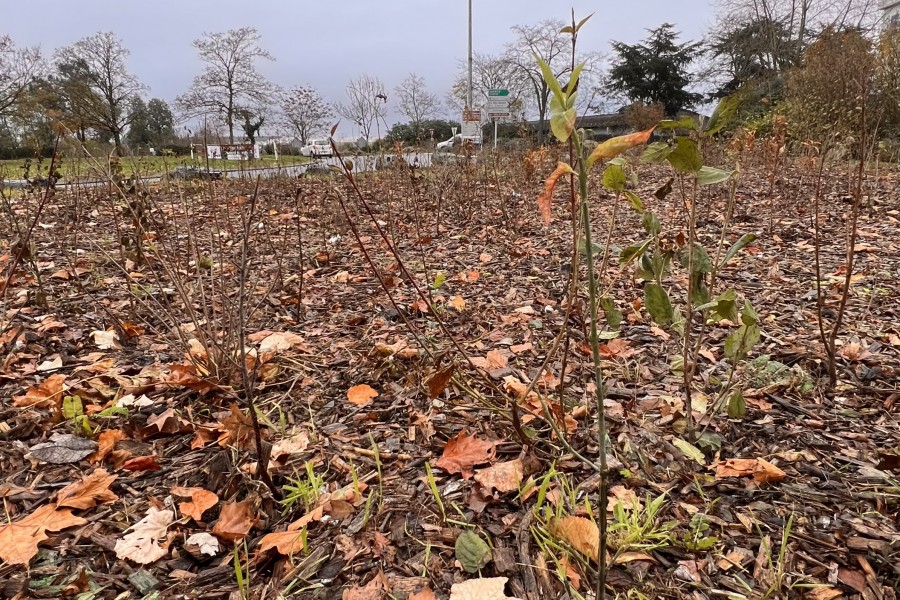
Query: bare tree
19	67
229	85
304	111
415	101
366	103
546	41
489	72
100	64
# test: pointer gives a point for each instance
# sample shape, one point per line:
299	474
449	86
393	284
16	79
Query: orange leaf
19	540
106	442
49	393
464	452
613	147
580	533
287	543
503	477
361	395
201	501
438	382
89	492
545	200
235	521
760	469
237	429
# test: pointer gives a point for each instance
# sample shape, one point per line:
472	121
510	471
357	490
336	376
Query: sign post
497	108
471	125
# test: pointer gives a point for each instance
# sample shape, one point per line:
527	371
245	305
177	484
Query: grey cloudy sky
324	43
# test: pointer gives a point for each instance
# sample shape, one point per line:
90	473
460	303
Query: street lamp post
469	91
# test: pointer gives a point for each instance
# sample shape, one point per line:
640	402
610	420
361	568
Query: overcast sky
326	43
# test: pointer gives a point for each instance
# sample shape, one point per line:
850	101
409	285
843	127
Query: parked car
316	148
457	140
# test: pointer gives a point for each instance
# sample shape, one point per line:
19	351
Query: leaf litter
367	508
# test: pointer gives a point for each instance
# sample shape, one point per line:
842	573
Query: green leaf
563	124
700	262
711	175
567	29
658	303
472	552
439	280
614	318
690	450
725	307
636	203
583	21
72	407
686	156
737	406
595	247
722	115
632	252
549	77
736	247
685	122
573	80
614	178
657	152
651	223
748	315
739	343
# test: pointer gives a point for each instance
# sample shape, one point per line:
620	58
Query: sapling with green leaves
562	125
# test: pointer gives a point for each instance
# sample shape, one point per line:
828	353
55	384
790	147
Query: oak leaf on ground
485	588
361	394
48	393
235	521
141	543
463	452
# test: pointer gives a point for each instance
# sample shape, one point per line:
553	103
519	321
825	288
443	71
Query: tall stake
469	90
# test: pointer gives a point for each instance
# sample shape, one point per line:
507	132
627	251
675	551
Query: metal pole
495	134
469	102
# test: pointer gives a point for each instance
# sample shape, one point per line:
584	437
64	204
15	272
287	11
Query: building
601	127
891	10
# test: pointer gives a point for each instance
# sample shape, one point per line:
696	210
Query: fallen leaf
616	347
142	545
458	303
287	543
48	393
63	448
106	442
201	500
439	381
463	452
374	590
235	521
106	340
280	341
854	352
760	469
580	533
142	463
51	365
485	588
89	492
19	539
207	544
294	444
424	594
361	395
503	477
237	429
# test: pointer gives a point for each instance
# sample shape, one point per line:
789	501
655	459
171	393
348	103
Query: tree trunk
117	139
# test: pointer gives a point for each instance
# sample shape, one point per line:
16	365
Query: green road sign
498	92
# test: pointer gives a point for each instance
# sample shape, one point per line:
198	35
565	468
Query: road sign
471	124
471	115
492	93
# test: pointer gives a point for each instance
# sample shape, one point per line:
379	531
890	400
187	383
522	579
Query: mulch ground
93	321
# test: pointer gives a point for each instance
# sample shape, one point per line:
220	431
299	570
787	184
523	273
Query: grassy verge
143	166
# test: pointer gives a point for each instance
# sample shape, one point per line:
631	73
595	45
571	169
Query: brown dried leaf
361	395
235	521
19	540
580	533
545	200
287	543
438	382
48	393
463	452
201	500
89	492
485	588
503	477
760	469
106	442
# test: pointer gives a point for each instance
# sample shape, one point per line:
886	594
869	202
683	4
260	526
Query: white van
316	148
